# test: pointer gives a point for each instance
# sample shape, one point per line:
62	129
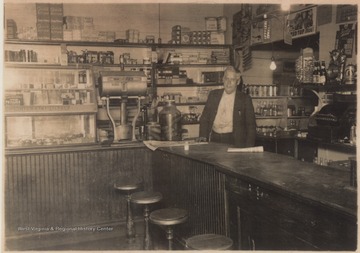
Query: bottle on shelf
322	78
271	109
275	90
316	72
353	134
265	109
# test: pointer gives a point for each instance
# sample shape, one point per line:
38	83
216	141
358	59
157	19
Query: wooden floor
94	241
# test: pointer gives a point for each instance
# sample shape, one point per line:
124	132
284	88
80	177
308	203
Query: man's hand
200	139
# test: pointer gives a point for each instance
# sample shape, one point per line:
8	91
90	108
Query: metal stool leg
147	237
130	228
170	236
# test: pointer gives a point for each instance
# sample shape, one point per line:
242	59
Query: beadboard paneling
68	189
194	186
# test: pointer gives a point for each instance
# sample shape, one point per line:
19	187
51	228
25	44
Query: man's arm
250	122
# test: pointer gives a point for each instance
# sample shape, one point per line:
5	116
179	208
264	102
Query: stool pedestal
127	187
169	217
146	198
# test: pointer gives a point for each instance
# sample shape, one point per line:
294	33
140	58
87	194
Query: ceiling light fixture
272	64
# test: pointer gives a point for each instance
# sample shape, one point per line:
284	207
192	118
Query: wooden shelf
191	85
184	104
329	87
112	44
32	65
195	65
273	97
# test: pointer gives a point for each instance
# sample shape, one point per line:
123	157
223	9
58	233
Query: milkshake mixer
123	85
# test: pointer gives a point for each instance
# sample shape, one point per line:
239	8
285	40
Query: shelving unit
282	122
54	55
187	78
48	105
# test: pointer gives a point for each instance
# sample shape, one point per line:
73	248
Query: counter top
345	147
74	148
319	185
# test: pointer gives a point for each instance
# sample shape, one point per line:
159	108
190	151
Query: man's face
230	82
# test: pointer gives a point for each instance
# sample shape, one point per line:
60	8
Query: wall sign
301	23
242	26
345	39
346	13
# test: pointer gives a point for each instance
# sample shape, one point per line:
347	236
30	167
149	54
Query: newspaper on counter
153	145
257	149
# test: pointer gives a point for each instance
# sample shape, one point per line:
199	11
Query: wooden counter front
288	204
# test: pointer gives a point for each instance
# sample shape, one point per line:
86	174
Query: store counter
261	200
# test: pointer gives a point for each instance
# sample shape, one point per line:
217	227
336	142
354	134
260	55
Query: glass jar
170	124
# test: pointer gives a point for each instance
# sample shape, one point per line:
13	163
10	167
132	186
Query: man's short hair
233	70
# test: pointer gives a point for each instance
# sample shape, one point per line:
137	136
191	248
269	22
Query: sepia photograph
179	125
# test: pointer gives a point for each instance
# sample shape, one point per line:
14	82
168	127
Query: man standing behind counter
228	116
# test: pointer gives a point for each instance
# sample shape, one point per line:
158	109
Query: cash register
333	122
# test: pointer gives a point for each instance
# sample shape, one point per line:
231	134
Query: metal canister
350	74
170	122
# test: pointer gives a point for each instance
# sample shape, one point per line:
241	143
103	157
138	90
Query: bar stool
169	217
146	198
209	242
127	187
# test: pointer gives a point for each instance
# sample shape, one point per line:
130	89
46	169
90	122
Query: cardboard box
42	12
210	24
221	24
217	38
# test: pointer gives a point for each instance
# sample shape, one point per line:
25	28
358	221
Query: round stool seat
146	197
127	185
168	216
209	242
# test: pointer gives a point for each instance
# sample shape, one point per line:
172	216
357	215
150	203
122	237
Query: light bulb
272	64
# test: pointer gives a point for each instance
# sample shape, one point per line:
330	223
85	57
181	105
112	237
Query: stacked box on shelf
190	57
88	35
185	35
11	29
200	37
171	75
176	34
79	28
179	77
217	38
43	21
106	36
204	58
221	24
210	24
132	35
212	76
164	75
216	26
73	23
220	57
56	21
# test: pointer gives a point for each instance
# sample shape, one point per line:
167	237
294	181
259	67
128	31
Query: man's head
231	79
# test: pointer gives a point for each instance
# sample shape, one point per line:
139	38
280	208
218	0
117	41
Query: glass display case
48	105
